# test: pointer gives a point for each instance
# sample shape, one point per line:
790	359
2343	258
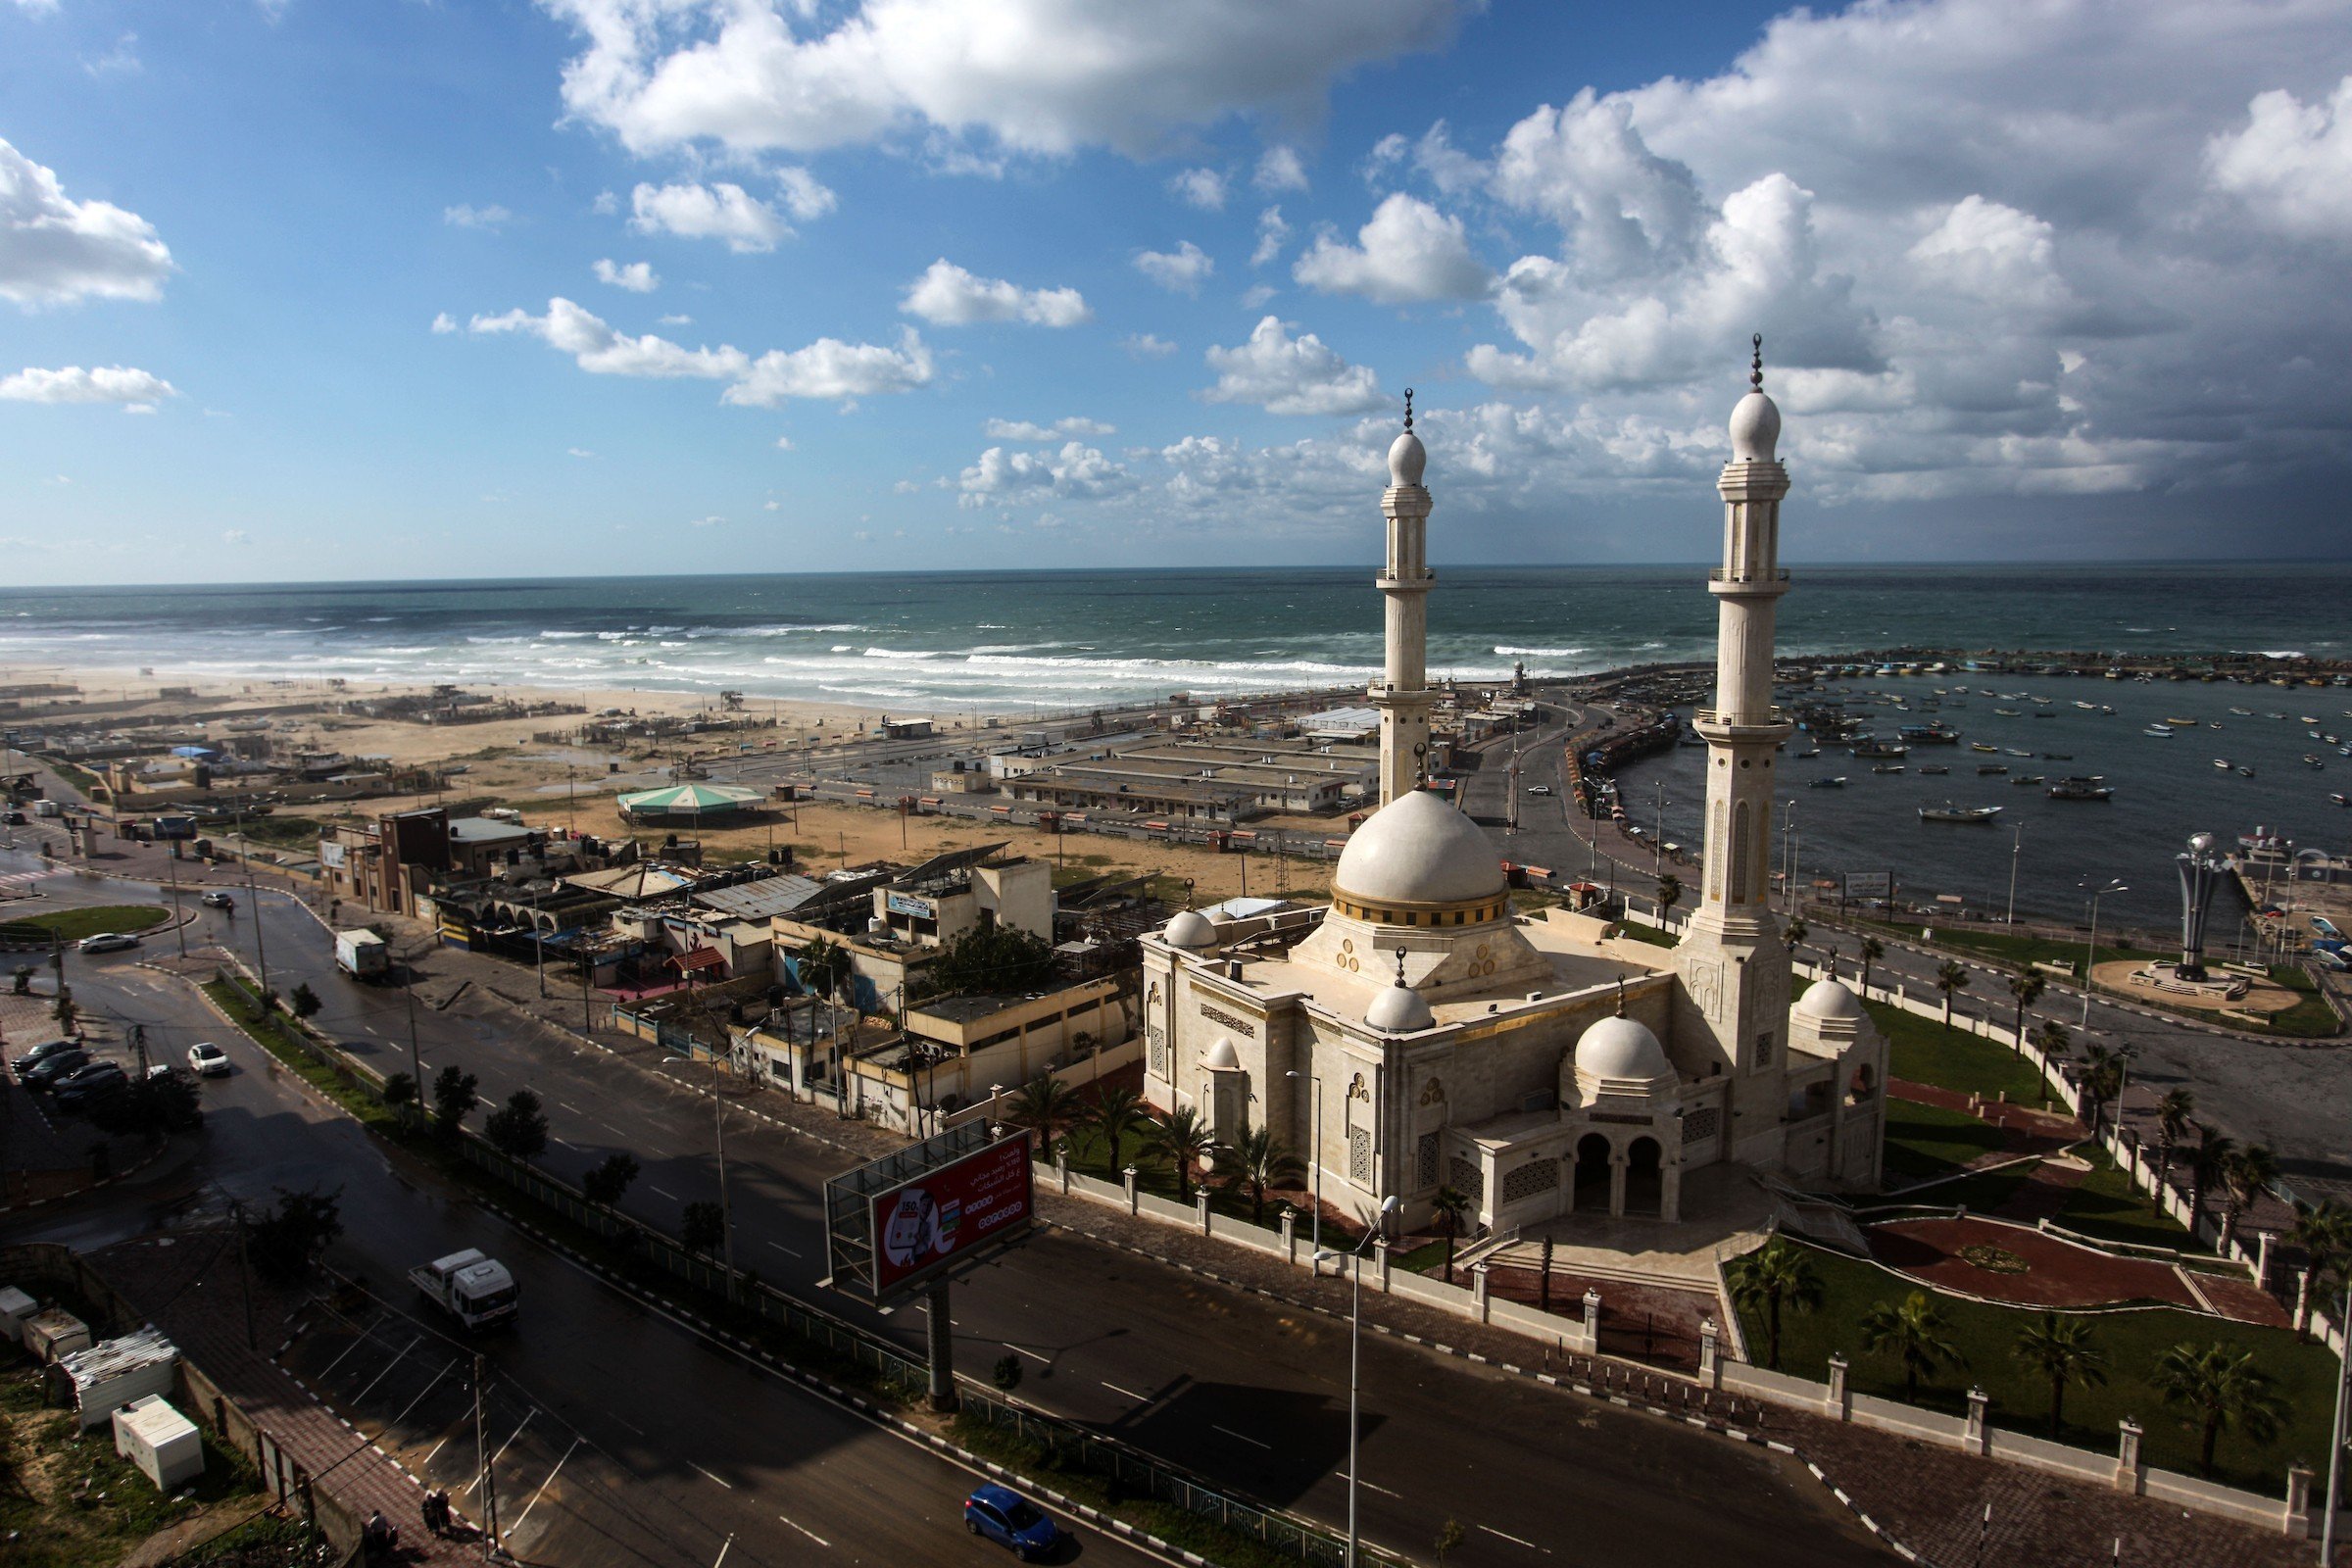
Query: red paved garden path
2058	1273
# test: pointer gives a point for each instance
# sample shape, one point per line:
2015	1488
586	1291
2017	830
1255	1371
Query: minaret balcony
1726	574
1721	723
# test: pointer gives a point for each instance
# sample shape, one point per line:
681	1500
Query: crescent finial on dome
1755	368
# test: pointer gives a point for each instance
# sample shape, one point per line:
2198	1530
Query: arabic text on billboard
1869	884
908	904
924	1226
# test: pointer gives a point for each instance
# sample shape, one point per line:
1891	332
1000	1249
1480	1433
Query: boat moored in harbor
1949	812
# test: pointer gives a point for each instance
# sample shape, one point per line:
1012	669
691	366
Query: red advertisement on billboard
923	1226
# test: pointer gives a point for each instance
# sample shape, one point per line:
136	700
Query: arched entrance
1644	1190
1592	1174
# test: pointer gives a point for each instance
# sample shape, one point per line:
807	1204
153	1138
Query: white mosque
1419	1034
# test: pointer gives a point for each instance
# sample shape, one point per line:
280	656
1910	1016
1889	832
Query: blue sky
922	283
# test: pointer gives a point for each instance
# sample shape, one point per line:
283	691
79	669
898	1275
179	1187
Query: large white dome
1417	850
1620	1048
1191	929
1755	428
1829	998
1398	1010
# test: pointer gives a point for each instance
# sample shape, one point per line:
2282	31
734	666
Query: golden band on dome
1397	912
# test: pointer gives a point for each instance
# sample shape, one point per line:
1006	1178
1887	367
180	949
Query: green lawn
2302	1374
2310	1019
1089	1156
1648	932
2018	951
1929	1141
73	924
1920	1050
1982	1193
2104	1205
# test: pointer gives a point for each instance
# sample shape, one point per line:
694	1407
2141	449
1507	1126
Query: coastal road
1248	1391
625	1437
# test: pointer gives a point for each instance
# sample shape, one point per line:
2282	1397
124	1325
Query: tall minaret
1735	970
1403	693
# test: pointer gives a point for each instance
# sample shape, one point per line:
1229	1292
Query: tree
148	1106
993	958
64	1009
1007	1373
454	1095
306	1001
824	967
400	1093
2025	989
1873	950
286	1243
2207	1166
606	1183
1670	893
1774	1275
2173	1114
1449	1535
1262	1160
1796	932
2053	1038
1451	1204
1952	978
2245	1177
518	1128
1116	1114
2214	1387
1047	1108
2102	1076
703	1227
25	974
2060	1349
2325	1233
1184	1141
1915	1334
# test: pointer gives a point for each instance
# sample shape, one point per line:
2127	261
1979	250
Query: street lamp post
1787	858
2090	952
1657	849
1355	1341
2335	1449
2017	847
1317	1161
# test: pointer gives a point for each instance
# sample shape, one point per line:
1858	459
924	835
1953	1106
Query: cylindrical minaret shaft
1403	693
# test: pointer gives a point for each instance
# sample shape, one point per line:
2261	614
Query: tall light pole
1316	1246
2335	1449
2091	950
1356	1342
1658	845
2017	847
1787	858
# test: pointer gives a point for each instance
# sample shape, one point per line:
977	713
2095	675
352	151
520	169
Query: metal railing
1718	716
1724	574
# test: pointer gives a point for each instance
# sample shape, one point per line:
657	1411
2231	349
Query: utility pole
244	1275
2335	1449
481	1470
180	925
253	891
408	989
2017	847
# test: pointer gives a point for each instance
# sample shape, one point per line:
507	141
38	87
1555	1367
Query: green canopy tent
689	803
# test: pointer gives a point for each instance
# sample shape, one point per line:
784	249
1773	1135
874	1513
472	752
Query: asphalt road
622	1436
1243	1390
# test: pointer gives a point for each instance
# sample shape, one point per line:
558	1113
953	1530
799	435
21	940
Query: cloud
37	8
947	295
136	391
673	319
2291	164
638	277
235	536
717	211
123	60
444	322
832	368
1257	294
579	452
806	199
1180	270
1286	374
1145	346
783	444
1030	77
1409	253
1003	478
466	216
600	351
1204	189
57	251
1279	169
1272	234
1060	430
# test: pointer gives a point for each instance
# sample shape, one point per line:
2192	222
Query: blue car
1007	1519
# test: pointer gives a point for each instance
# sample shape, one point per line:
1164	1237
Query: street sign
1869	884
897	1225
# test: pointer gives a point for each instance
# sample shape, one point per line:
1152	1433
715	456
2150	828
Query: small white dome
1191	929
1398	1010
1220	1056
1621	1048
1419	850
1829	998
1755	428
1407	459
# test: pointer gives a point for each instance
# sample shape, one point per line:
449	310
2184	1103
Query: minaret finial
1408	405
1400	966
1621	996
1755	372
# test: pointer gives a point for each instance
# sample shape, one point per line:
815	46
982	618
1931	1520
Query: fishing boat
2213	723
2104	709
1837	783
1986	769
2157	730
2043	713
2027	779
2222	763
2310	761
2310	718
2182	723
2006	712
2341	798
1949	812
1935	767
1935	734
2014	752
2057	757
1979	746
2092	788
1887	768
2245	772
1810	750
1869	746
2244	713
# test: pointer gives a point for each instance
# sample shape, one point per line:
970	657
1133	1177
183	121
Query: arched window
1741	852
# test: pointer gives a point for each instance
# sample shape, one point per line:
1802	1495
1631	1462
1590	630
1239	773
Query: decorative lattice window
1359	1155
1742	850
1159	1054
1464	1178
1534	1177
1425	1162
1700	1125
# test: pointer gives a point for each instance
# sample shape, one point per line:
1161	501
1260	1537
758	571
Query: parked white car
208	1061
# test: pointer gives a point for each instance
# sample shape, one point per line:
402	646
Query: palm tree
2207	1166
1873	950
2102	1076
1184	1141
2025	989
1670	893
2325	1233
1262	1160
1915	1334
1774	1275
2215	1387
2060	1349
1952	978
1451	1206
1114	1114
1795	931
2173	1114
2053	1039
2247	1175
1047	1108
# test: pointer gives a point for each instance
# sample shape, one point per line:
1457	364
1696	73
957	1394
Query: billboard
1869	884
899	1223
909	904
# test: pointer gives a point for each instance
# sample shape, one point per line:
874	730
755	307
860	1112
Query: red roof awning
699	959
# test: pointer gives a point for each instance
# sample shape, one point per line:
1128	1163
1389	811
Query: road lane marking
501	1449
574	1109
387	1371
429	1456
543	1486
1130	1392
1515	1540
806	1531
1242	1437
706	1475
673	1196
1370	1487
1042	1361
